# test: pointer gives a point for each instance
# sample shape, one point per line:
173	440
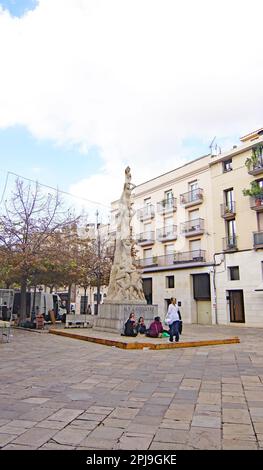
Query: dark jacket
141	328
129	328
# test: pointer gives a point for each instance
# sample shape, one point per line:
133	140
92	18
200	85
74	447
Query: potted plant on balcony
253	162
255	191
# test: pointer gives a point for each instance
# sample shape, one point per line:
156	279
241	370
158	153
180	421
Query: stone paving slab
85	396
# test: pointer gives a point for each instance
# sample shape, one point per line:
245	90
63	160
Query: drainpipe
214	280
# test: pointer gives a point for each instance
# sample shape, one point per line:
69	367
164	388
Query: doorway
236	306
147	289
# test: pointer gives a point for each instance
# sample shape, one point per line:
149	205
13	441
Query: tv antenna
214	148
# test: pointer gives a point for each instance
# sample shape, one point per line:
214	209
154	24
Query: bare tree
30	226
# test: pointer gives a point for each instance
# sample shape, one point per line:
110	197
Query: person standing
173	320
4	311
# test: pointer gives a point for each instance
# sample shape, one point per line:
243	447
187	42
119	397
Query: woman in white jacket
173	320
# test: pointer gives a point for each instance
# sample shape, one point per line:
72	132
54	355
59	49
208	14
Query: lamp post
98	268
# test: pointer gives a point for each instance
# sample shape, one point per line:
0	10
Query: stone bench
76	321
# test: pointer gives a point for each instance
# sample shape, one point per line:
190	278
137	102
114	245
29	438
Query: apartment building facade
172	227
200	239
238	232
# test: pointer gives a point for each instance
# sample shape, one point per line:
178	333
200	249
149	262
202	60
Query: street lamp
99	259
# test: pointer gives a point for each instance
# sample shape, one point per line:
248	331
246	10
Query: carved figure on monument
125	279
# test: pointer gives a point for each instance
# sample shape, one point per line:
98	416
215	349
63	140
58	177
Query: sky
88	87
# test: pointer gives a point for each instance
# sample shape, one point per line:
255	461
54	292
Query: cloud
134	78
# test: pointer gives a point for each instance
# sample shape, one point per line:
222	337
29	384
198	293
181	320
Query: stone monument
125	292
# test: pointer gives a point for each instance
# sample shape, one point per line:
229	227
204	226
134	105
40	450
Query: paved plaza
61	393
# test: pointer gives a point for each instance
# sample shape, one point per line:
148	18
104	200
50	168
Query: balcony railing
196	256
257	167
258	239
167	205
192	197
146	212
256	203
192	227
230	243
228	210
145	238
167	233
148	262
190	257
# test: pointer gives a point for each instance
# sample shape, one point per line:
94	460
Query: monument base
112	317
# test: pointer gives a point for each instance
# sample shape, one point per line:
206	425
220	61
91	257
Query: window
193	215
229	200
148	258
168	221
168	194
169	282
195	245
147	289
147	201
229	196
193	186
147	253
193	191
147	229
227	165
169	198
169	249
201	284
260	221
231	229
233	273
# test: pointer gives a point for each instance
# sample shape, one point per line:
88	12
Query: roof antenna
214	148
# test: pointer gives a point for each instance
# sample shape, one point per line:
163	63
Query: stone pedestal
112	316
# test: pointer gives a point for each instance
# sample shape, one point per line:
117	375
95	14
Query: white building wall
182	291
250	271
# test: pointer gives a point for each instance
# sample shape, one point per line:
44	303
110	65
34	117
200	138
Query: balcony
146	213
256	203
146	238
228	210
190	257
167	206
196	256
230	243
192	227
258	240
256	167
147	262
166	234
192	198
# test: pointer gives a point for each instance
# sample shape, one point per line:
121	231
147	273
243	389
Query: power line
49	187
5	186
